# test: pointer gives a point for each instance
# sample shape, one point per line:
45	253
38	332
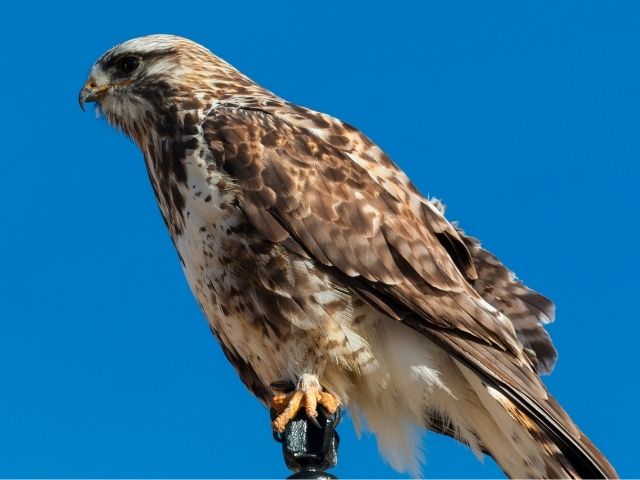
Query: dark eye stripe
109	59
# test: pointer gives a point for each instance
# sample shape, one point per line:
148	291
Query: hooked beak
91	93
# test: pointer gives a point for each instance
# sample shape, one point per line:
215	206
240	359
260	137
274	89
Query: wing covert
296	187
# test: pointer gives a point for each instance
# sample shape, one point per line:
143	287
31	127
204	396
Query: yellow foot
308	394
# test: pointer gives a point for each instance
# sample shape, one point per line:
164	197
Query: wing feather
528	310
364	231
311	180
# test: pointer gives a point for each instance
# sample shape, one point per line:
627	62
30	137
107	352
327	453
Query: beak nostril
89	93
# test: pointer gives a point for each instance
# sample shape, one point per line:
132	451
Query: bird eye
127	64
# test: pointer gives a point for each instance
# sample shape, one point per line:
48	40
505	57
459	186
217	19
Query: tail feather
524	448
418	383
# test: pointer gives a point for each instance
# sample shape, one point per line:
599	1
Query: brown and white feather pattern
310	251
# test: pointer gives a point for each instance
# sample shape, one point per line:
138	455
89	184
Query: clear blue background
522	116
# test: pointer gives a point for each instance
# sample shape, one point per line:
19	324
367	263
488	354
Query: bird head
145	80
130	78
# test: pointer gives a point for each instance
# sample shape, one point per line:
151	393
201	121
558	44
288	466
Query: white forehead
143	45
150	43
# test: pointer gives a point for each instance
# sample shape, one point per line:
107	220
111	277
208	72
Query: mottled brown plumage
313	256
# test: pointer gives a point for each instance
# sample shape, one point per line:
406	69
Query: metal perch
309	449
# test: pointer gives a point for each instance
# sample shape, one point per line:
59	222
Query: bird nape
318	263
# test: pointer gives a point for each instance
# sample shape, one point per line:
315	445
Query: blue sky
522	116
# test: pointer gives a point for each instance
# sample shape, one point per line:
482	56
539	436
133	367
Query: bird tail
523	447
417	383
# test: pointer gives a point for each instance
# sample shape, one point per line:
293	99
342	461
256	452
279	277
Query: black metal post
309	449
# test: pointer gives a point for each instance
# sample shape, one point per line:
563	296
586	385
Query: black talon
315	421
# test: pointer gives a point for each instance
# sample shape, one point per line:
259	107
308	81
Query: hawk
318	263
